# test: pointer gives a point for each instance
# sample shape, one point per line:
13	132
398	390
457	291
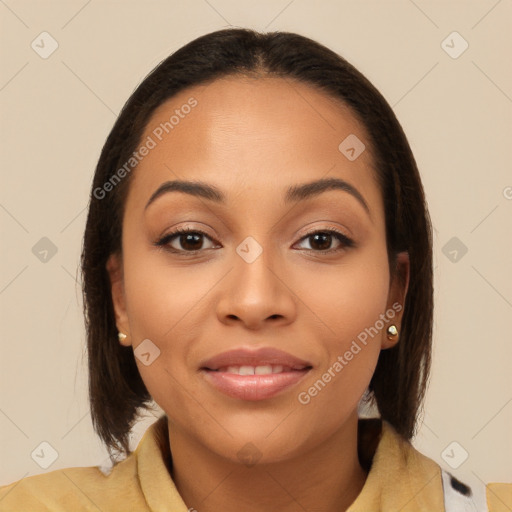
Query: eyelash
343	239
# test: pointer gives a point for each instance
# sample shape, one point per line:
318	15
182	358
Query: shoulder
77	489
139	483
457	496
402	478
399	476
499	497
480	497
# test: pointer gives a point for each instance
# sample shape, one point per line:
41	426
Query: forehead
253	135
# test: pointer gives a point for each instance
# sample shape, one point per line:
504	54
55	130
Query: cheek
160	298
348	298
169	306
162	293
336	305
350	306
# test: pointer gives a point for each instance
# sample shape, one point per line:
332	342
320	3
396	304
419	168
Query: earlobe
392	336
396	300
114	268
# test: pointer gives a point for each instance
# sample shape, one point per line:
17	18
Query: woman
258	261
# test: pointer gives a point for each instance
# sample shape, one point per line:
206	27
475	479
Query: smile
253	383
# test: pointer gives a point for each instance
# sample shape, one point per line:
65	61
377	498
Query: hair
398	385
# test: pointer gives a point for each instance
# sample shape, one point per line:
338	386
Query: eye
189	239
323	238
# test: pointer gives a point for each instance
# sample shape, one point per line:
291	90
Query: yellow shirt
400	479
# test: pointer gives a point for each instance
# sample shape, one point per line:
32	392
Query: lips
254	374
260	357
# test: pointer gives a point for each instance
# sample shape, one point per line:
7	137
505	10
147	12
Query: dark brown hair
398	385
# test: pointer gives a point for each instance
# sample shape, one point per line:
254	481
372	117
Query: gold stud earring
392	331
121	336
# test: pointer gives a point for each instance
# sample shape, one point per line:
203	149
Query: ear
114	267
396	298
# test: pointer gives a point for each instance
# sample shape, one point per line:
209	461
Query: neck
328	477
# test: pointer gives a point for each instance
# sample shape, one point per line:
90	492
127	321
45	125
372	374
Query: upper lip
251	357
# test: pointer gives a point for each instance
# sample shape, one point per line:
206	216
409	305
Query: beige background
57	112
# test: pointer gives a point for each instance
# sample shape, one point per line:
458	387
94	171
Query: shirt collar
399	477
153	457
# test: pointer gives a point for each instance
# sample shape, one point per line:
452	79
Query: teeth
255	370
245	370
263	370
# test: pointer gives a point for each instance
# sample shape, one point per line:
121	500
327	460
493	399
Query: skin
253	138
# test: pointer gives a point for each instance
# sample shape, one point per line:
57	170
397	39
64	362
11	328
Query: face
263	268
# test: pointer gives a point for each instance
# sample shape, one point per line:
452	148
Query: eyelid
346	241
317	229
164	240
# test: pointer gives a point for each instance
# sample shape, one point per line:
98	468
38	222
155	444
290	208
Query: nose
256	293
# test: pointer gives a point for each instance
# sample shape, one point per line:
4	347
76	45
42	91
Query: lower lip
253	387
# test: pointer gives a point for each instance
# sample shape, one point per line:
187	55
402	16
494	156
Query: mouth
254	383
252	375
266	369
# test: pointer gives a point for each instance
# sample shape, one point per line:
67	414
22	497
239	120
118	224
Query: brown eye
191	241
188	240
321	240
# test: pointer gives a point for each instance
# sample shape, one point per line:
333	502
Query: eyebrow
294	193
